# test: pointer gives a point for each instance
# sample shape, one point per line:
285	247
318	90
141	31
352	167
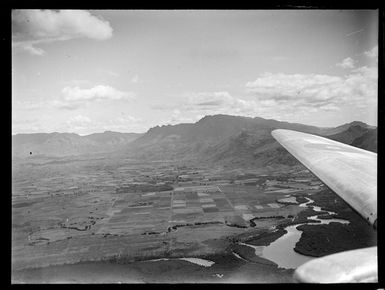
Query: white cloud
96	93
373	53
31	27
346	63
198	104
78	122
73	98
287	96
208	103
318	91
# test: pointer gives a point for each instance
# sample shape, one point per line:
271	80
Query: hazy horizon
126	71
99	132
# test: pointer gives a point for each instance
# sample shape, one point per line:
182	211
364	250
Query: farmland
142	218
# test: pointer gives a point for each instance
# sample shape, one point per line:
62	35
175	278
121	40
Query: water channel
281	251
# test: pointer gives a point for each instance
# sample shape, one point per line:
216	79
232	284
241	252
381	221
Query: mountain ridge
222	139
225	139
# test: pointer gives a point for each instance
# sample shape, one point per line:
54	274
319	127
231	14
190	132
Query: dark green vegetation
318	241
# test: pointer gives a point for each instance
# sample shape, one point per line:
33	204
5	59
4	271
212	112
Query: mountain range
222	139
69	144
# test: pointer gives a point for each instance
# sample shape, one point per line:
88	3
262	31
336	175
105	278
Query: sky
129	70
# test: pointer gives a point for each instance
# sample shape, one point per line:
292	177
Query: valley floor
110	221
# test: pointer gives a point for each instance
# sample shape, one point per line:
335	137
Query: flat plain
116	220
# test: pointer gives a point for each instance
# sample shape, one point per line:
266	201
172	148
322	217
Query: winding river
281	251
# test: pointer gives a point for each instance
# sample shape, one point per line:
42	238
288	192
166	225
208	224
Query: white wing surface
345	267
349	171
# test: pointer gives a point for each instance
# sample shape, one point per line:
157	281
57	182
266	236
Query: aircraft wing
349	171
352	174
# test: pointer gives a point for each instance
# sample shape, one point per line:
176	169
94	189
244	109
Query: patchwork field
117	218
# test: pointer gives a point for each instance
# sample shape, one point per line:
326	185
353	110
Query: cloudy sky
90	71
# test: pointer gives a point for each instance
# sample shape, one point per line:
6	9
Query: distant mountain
225	139
66	144
219	139
359	135
207	138
110	138
211	130
344	127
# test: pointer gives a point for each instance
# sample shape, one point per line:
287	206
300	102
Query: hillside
231	140
250	148
358	135
367	141
185	139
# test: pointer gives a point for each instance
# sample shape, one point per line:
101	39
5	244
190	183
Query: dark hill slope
367	141
359	136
